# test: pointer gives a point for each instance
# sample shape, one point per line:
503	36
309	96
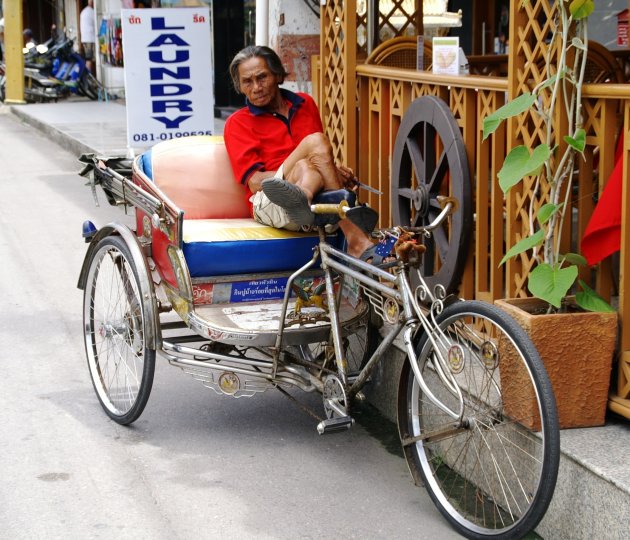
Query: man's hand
255	180
347	177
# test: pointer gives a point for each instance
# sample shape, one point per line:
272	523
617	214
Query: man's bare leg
311	167
314	153
358	241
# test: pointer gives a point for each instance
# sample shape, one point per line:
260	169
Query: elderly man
278	151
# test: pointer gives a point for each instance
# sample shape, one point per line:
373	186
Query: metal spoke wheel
491	471
429	163
114	321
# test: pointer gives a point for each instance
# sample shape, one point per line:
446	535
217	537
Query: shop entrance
234	28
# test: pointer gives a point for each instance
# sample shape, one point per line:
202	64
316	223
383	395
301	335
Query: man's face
257	82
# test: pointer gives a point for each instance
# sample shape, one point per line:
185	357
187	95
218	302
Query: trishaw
246	308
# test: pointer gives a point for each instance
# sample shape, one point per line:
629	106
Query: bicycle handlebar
448	204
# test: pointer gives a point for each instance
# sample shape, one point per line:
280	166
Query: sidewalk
83	126
592	498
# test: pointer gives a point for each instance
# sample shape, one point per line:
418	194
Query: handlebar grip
339	209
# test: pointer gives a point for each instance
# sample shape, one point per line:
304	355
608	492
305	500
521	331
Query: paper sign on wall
168	74
446	55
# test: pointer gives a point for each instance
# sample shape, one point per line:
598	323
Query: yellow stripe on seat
226	230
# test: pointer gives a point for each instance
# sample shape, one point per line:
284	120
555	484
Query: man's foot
379	254
291	198
370	256
363	217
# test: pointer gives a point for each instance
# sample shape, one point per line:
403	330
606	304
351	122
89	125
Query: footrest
333	425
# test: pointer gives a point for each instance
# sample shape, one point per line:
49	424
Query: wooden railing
384	94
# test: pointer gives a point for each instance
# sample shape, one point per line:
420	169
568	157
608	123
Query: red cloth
602	236
258	140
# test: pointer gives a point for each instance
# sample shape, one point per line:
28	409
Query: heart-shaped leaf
575	258
519	163
546	211
551	284
589	300
580	9
512	108
578	43
578	142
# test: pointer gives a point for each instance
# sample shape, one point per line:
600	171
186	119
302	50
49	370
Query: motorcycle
52	71
69	68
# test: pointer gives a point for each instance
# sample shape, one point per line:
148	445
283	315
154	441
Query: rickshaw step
333	425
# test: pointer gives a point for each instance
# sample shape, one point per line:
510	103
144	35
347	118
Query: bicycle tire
492	475
89	86
114	321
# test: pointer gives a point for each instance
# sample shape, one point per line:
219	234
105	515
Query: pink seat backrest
195	173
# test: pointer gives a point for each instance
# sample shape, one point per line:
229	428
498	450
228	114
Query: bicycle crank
335	406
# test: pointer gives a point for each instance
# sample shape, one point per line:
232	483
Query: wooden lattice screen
362	121
531	24
395	18
338	79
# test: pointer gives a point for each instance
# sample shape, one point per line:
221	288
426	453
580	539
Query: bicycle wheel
493	473
89	86
114	321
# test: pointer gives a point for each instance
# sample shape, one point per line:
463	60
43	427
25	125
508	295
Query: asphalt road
195	465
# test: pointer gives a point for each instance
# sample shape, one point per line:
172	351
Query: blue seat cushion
218	247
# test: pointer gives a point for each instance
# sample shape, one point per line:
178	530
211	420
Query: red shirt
258	140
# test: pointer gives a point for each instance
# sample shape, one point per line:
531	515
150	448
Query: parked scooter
39	85
53	70
70	69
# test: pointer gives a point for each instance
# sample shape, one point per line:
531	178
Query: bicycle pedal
333	425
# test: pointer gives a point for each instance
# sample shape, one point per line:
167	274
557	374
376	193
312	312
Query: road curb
63	139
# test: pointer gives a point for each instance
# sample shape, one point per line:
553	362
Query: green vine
550	166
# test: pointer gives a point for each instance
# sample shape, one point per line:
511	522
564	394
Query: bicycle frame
378	285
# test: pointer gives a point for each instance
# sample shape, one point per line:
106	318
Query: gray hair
257	51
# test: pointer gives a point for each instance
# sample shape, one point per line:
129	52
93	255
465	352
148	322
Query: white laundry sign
168	74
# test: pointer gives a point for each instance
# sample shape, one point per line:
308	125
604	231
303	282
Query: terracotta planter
577	349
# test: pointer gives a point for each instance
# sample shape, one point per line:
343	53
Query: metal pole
372	25
14	57
262	22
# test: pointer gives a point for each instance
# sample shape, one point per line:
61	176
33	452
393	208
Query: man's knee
318	143
302	169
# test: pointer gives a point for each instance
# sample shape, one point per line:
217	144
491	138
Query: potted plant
580	383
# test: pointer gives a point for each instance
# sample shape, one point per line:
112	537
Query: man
87	27
278	151
29	41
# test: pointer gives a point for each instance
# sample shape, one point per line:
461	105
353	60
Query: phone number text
150	137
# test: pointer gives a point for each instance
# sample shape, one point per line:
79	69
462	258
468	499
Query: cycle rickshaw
245	308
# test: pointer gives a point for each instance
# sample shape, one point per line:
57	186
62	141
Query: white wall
294	28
